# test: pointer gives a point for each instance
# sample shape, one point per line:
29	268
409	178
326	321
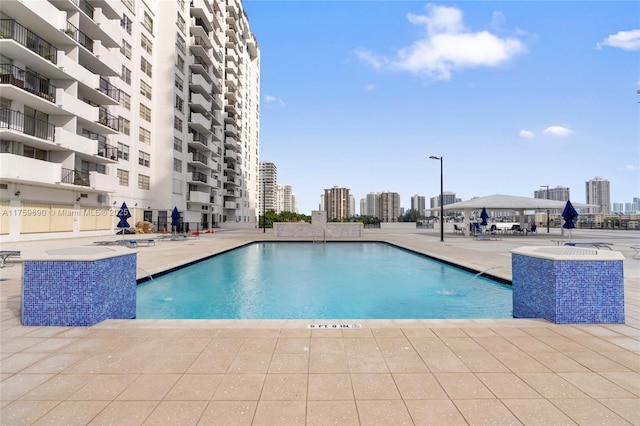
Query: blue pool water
322	281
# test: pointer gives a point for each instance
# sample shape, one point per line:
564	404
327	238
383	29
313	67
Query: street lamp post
547	197
264	205
433	157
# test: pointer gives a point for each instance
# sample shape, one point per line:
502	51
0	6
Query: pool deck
279	372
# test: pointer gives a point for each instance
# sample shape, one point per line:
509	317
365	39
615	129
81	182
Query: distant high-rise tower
284	199
598	192
372	204
389	207
268	191
418	202
336	203
559	193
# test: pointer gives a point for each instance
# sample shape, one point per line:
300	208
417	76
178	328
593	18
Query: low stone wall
328	231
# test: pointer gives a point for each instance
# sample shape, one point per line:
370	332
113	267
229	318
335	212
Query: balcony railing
27	80
108	120
198	137
15	120
107	151
199	157
75	177
73	32
109	89
198	177
12	30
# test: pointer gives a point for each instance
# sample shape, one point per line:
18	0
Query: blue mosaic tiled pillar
78	293
568	291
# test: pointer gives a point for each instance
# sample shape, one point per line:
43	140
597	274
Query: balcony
106	119
199	84
12	168
109	89
10	29
27	80
199	122
197	177
73	32
199	158
199	197
107	151
75	177
15	120
200	48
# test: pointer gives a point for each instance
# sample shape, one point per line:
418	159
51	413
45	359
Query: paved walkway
278	372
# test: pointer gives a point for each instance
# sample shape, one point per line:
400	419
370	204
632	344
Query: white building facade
155	104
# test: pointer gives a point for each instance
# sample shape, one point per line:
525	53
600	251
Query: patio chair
457	230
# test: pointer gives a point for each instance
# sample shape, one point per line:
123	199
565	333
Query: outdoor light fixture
433	157
78	199
17	193
547	197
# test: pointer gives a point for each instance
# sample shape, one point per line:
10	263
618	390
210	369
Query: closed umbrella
123	215
569	214
484	217
175	218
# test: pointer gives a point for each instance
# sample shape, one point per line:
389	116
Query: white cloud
526	134
370	87
448	46
625	40
630	168
557	131
271	99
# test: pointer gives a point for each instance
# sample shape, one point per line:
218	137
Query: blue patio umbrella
484	217
569	214
175	218
123	215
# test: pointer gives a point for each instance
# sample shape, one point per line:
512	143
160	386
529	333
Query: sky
513	96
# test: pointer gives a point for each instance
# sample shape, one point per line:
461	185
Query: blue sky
512	94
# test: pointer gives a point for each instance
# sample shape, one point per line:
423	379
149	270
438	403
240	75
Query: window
147	22
31	152
181	44
145	90
124	125
180	63
123	151
126	23
143	182
125	49
177	165
126	75
123	177
145	67
143	158
179	103
146	44
177	123
144	136
179	83
181	23
145	112
125	101
177	144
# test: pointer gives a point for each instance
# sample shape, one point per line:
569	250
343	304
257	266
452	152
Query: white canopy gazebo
506	202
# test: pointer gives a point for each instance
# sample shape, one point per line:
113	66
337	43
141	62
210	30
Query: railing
200	23
27	80
109	89
108	120
75	177
197	137
86	8
73	32
107	151
199	177
199	157
11	29
15	120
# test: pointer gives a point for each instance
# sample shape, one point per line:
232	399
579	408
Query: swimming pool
335	280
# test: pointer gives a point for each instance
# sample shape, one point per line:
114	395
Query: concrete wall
318	228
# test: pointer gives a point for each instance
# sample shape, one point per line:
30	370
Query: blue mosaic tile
568	292
76	293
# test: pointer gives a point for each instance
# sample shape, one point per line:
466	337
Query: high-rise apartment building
389	207
418	203
336	203
268	187
371	205
448	198
150	103
598	192
284	198
559	193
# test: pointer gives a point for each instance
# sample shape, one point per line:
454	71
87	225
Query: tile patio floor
440	372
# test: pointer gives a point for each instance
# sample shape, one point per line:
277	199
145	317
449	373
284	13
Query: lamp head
433	157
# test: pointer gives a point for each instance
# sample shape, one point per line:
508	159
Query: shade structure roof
509	202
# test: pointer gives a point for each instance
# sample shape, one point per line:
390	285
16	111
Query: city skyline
510	99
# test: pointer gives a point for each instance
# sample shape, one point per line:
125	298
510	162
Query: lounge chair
457	230
5	254
596	244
